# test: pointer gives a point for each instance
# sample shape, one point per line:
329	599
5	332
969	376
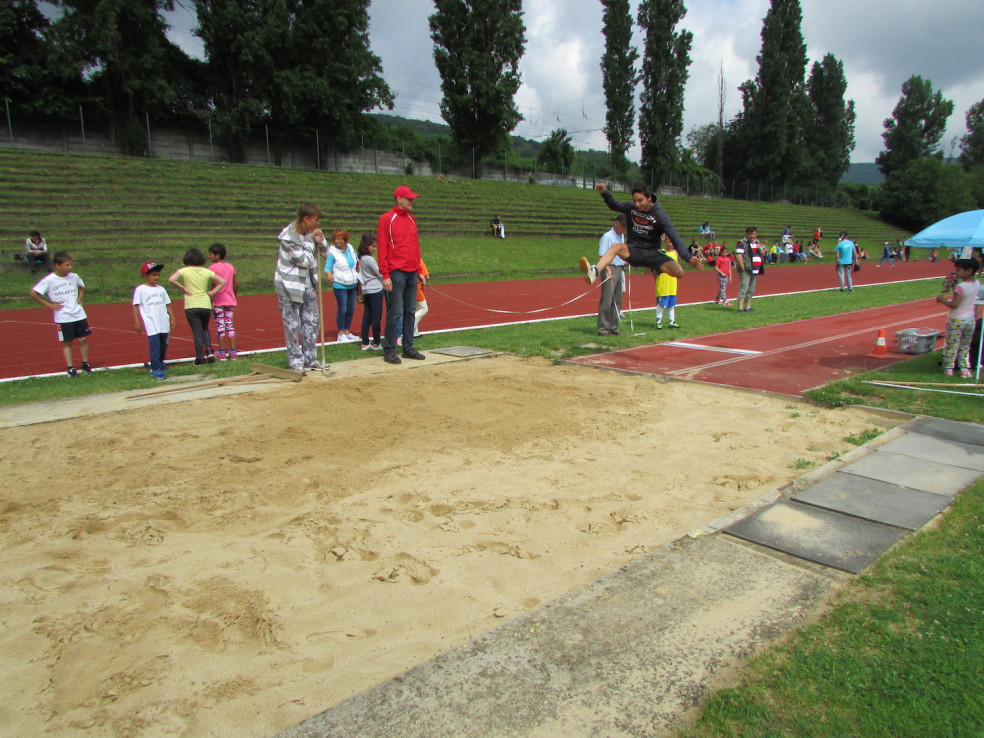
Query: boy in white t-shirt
62	292
152	306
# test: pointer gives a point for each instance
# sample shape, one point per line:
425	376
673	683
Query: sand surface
231	566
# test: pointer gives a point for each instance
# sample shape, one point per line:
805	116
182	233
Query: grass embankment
112	214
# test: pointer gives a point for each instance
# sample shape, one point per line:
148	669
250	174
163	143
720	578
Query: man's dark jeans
402	301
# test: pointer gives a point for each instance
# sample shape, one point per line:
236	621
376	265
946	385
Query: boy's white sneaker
589	269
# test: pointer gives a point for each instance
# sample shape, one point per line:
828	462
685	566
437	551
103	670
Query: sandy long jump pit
233	565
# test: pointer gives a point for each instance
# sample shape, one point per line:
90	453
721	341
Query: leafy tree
240	39
703	142
24	56
665	63
557	153
619	76
830	126
477	48
767	140
916	127
119	49
924	191
327	81
972	145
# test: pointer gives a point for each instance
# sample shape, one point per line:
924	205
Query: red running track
787	358
31	347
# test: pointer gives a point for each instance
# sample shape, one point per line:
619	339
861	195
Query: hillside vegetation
114	213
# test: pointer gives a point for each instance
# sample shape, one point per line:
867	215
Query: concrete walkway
632	653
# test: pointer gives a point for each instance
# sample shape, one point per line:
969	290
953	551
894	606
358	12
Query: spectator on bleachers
37	252
705	231
498	229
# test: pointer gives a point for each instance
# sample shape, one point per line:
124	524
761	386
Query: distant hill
866	173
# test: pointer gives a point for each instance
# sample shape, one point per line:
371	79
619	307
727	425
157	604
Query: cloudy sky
881	43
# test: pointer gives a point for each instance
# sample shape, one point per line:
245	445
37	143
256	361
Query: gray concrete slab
914	473
624	656
940	450
812	533
873	500
947	429
462	351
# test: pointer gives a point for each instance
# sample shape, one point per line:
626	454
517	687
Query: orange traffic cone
880	349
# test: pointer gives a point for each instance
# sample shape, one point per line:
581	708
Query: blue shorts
668	301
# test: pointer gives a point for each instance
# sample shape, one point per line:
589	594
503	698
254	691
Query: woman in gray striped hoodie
296	284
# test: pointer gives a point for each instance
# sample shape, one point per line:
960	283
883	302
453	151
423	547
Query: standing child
723	269
340	271
666	295
65	291
960	323
372	292
224	304
194	280
152	305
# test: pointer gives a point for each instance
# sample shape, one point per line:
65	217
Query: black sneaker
413	354
390	357
86	368
72	372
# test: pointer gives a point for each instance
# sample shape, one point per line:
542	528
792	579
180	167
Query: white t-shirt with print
153	302
66	291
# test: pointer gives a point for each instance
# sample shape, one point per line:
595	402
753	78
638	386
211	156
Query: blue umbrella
963	229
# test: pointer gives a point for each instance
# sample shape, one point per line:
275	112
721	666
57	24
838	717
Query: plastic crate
916	340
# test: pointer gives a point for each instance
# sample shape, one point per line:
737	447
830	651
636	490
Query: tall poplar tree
665	63
618	77
477	48
972	145
830	126
771	146
24	68
916	127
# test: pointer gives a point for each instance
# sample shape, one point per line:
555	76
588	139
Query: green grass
899	654
919	400
112	214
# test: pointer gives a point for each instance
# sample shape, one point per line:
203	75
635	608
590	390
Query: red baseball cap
150	267
404	191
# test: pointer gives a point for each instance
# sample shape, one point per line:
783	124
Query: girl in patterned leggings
224	302
960	324
194	280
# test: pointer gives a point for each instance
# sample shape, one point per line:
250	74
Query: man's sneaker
965	374
72	372
659	326
413	354
589	269
158	374
316	366
674	325
299	369
221	355
390	357
86	368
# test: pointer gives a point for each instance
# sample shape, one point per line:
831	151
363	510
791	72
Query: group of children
207	292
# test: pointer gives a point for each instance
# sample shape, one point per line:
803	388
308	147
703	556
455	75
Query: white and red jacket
397	242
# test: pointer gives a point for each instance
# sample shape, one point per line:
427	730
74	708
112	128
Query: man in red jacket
399	264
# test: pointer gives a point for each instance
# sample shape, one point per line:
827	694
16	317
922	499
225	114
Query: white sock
672	313
659	313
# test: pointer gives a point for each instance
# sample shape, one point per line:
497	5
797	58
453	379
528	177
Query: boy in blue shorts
643	241
152	307
62	292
